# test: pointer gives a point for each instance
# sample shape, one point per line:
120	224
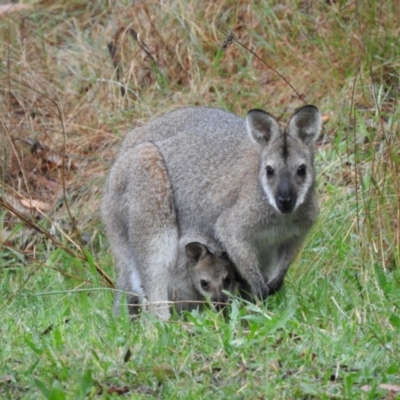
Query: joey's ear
262	127
196	251
306	124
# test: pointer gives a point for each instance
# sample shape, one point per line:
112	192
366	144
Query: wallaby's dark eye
301	171
227	281
204	284
270	170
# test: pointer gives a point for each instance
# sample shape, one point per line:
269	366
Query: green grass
332	330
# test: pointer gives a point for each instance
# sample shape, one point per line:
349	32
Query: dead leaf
366	388
386	386
36	204
50	159
10	8
325	118
163	372
6	237
6	378
118	390
48	184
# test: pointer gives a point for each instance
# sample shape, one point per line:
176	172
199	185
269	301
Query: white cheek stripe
268	192
303	191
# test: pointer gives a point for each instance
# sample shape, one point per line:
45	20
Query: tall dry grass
75	76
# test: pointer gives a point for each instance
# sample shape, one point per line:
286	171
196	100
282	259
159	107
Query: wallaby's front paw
260	290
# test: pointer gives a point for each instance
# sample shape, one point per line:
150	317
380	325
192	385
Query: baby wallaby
153	265
248	184
203	276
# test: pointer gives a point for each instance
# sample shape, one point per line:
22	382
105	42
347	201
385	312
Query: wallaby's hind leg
153	230
158	263
129	280
135	298
115	211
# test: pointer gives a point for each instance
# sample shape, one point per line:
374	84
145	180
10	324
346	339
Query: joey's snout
219	302
219	298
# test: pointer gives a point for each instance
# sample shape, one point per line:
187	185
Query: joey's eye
204	284
270	170
301	171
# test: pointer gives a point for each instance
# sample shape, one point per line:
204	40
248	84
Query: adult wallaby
247	184
155	266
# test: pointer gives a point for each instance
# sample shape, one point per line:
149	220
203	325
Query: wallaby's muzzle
285	197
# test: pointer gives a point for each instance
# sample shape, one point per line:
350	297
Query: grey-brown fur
246	184
140	219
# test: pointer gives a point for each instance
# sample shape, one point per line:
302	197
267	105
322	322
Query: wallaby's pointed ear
262	127
306	124
196	251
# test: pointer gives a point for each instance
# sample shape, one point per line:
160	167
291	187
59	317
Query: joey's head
286	155
211	274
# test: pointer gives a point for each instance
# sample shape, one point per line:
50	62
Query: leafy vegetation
74	76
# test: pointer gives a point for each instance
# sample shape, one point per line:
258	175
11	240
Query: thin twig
230	38
35	226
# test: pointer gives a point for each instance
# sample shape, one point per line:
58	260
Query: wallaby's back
193	120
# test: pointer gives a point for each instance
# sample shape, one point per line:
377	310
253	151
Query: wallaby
246	184
152	263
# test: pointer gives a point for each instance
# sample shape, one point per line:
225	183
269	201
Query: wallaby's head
211	274
287	159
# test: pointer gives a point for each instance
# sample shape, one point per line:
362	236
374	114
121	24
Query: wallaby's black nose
285	203
285	196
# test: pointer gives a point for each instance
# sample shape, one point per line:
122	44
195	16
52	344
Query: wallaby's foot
160	310
134	305
261	292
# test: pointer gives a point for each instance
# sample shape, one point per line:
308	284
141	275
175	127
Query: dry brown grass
75	76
